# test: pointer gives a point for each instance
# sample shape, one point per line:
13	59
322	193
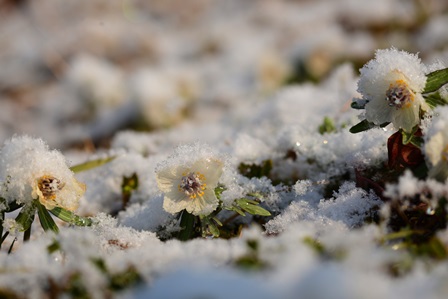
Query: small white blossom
190	185
31	171
436	145
392	84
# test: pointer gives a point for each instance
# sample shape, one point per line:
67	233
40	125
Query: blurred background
77	72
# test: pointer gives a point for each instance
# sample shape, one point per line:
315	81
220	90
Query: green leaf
255	170
13	242
402	234
217	221
251	208
314	244
13	206
55	246
90	164
248	201
125	279
45	219
327	126
359	104
26	217
407	137
411	137
437	249
3	238
417	141
213	229
322	251
187	222
70	217
434	100
435	80
100	264
219	190
128	185
364	126
236	209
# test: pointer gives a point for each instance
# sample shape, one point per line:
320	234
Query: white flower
392	84
30	171
190	186
436	146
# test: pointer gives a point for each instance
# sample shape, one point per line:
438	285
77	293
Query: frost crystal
31	171
191	184
392	84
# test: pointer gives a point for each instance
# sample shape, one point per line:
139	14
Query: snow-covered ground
264	87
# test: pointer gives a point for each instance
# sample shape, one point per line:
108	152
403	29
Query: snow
164	84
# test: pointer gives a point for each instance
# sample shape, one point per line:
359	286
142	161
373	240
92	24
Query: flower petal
211	169
175	202
169	178
406	117
378	111
203	205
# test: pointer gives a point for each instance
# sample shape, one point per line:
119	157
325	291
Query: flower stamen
49	186
399	95
193	184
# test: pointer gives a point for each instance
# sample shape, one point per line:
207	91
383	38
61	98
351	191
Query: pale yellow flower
190	188
53	192
30	171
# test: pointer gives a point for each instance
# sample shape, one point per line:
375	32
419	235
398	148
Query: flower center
49	186
193	184
399	95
